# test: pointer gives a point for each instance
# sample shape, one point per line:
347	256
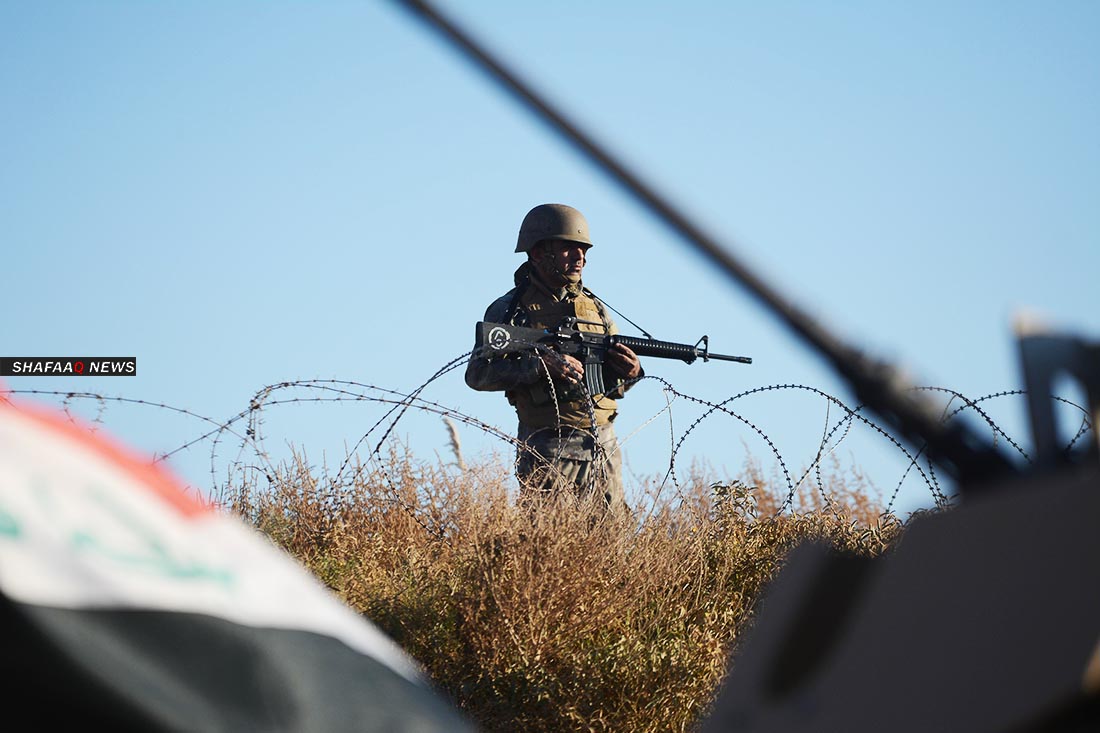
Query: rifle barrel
724	357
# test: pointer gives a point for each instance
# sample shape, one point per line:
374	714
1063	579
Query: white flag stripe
79	528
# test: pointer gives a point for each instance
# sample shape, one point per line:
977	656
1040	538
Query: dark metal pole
960	451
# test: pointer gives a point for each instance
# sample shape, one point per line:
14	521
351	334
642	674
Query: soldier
568	444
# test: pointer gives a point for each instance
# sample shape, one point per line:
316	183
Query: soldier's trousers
572	464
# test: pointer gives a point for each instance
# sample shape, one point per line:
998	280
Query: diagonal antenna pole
956	448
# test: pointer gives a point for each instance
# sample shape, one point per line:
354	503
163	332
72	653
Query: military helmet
552	221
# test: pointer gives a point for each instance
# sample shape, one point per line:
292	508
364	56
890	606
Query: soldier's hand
564	368
624	361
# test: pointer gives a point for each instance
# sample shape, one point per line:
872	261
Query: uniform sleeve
505	372
617	387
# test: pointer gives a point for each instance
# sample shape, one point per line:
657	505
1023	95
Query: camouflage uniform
569	445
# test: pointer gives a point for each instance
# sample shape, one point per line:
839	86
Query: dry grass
557	619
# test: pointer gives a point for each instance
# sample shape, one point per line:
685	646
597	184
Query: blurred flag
125	601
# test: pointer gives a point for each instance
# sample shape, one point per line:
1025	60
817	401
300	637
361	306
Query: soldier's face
561	263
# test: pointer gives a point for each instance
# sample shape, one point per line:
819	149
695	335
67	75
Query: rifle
589	348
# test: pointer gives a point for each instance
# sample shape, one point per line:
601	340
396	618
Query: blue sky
240	194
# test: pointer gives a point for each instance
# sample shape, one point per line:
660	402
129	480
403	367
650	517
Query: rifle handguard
670	350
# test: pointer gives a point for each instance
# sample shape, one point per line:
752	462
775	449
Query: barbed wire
253	456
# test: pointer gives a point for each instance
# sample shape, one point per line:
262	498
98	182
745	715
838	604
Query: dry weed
557	619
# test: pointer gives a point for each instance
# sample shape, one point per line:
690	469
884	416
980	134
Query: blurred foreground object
985	618
127	603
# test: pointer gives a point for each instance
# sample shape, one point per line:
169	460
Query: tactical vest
534	403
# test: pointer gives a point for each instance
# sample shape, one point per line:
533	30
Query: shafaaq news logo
68	366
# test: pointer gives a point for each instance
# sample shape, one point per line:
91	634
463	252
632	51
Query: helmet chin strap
558	271
548	262
564	278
